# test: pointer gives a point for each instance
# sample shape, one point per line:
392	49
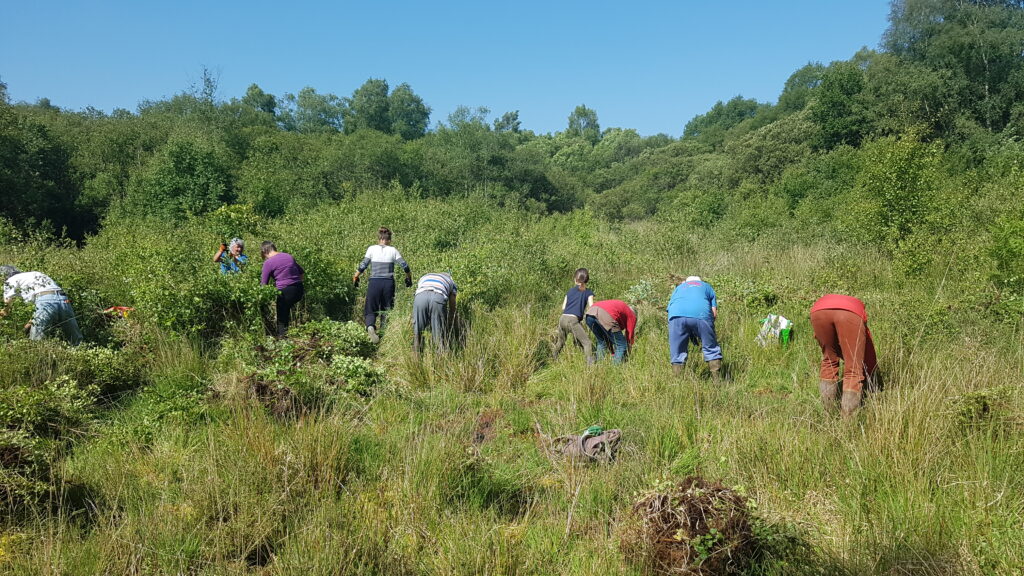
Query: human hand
223	247
408	282
355	279
28	327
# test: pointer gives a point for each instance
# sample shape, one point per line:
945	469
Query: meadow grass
444	470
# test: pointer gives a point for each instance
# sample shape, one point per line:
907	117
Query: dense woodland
183	440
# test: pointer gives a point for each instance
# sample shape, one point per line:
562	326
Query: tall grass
443	471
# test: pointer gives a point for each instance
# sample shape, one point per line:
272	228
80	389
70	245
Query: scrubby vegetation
182	440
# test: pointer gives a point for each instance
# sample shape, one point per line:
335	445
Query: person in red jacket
840	326
613	324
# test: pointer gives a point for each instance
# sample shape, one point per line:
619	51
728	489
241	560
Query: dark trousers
287	298
380	297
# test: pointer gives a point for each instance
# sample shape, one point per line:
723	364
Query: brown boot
716	369
677	369
829	394
850	403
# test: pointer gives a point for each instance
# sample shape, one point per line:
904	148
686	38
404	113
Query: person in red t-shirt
613	323
840	326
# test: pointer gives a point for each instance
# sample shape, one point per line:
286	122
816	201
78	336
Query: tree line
929	121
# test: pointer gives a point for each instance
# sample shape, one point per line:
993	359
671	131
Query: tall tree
257	99
509	122
836	109
711	127
408	115
583	124
310	112
979	41
368	107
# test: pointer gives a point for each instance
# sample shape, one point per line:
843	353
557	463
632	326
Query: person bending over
288	278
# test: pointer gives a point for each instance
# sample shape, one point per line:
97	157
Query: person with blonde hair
380	258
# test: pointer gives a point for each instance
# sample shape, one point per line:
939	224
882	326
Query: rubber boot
716	369
850	403
829	394
372	332
677	369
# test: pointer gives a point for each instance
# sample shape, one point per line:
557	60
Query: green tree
712	127
408	115
837	109
800	87
509	122
368	108
583	124
189	175
309	112
35	176
979	41
257	99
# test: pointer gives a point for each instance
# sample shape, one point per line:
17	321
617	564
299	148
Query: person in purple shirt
287	276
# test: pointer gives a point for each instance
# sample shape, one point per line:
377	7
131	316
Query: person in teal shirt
232	257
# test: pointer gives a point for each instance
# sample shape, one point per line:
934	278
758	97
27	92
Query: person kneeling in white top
52	308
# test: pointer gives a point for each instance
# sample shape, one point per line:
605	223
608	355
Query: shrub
52	410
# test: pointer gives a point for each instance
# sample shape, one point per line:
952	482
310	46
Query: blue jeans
605	339
53	313
683	329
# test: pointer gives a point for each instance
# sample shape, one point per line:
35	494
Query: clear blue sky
640	64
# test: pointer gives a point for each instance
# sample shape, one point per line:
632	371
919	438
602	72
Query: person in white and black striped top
380	293
433	309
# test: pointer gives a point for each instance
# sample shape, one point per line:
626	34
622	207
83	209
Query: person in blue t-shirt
574	307
231	256
692	311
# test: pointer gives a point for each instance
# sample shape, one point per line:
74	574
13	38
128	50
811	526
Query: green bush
1007	250
53	409
109	372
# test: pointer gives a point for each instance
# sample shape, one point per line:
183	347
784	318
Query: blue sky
646	65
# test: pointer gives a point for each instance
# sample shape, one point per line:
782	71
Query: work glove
223	247
408	282
355	279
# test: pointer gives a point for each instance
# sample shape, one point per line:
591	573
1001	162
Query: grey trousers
430	312
569	324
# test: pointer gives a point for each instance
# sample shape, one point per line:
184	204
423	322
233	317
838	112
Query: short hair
7	271
267	247
581	276
384	233
236	242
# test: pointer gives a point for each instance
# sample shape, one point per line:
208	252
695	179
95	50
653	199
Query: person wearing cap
380	293
53	310
288	278
231	256
692	310
840	325
613	323
433	307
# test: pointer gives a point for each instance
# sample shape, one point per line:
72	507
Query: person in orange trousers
840	326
